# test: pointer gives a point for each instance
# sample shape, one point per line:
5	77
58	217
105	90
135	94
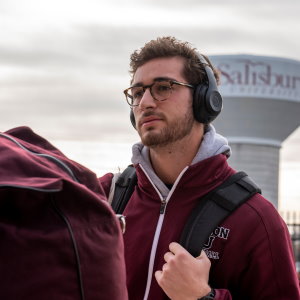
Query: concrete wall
261	164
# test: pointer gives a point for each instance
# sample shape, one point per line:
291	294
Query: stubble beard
175	131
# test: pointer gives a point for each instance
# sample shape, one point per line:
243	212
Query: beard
174	131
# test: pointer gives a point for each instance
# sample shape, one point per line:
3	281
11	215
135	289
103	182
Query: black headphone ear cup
199	107
207	102
206	105
132	119
214	103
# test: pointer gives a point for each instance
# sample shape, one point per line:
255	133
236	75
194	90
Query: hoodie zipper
163	206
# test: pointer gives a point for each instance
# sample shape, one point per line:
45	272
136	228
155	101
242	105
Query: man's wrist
209	296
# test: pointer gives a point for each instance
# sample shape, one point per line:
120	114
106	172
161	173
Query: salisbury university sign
258	76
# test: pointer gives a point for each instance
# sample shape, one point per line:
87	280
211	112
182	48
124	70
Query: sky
64	63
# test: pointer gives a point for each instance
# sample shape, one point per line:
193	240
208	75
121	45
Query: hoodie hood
212	144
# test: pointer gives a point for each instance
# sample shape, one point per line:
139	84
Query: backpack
211	210
60	240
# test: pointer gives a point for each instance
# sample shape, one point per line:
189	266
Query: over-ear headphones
207	101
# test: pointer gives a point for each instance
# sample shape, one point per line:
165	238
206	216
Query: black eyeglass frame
144	87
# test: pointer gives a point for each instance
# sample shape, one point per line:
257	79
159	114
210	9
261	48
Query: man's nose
147	100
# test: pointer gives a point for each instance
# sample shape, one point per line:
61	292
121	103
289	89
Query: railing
292	219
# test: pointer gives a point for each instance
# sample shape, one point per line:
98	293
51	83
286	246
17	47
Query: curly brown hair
169	47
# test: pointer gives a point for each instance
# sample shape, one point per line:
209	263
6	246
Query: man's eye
162	87
137	94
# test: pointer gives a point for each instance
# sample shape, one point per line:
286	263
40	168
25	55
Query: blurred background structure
261	109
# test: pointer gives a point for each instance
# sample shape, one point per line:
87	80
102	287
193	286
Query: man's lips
150	120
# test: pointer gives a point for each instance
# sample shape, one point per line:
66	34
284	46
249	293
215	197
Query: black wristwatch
209	296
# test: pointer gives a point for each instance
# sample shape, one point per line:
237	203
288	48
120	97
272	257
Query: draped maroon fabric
58	237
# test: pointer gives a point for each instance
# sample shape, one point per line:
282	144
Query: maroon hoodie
250	251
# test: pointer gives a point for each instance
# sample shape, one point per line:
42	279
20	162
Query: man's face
162	123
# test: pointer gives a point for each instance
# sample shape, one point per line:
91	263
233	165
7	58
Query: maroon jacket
250	251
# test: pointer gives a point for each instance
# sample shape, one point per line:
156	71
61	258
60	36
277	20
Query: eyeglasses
160	90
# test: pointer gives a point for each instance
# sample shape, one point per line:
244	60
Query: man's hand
184	277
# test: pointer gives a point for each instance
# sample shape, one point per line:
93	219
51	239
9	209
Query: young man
180	159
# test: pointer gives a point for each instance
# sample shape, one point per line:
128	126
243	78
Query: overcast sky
64	63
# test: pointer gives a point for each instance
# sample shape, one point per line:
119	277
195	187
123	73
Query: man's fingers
176	248
203	256
205	261
168	256
164	267
158	275
182	276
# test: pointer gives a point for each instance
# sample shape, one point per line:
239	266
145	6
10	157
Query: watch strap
209	296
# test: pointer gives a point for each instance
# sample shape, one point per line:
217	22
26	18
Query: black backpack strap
124	188
214	208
